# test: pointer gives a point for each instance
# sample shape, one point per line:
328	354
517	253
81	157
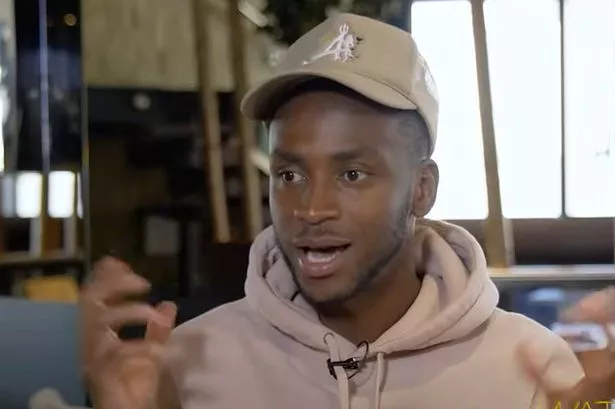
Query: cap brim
260	102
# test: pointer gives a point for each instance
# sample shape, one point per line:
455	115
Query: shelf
579	276
25	260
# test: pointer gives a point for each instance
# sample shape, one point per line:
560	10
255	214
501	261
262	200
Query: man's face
340	193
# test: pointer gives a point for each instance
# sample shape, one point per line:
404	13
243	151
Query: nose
320	204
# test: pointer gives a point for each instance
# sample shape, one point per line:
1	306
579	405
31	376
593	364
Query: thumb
534	364
595	307
160	331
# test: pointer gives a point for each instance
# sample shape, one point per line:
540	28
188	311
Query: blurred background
121	135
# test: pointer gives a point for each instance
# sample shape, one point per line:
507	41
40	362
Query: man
353	300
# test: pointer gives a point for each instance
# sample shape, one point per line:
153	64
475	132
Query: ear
426	187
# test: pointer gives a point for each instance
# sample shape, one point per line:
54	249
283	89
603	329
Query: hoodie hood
456	295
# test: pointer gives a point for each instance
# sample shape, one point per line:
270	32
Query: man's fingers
113	279
532	367
596	307
108	265
159	331
138	349
130	314
111	351
597	384
534	364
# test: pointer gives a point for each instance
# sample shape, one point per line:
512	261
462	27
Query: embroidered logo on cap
341	48
430	84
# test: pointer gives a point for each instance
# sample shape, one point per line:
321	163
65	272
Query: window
525	68
22	194
527	123
590	108
525	72
443	32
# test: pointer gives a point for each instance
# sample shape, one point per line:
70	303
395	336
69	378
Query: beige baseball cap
375	59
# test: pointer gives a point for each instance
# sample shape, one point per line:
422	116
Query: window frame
563	240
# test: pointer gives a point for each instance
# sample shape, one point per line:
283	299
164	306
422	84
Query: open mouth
319	262
322	255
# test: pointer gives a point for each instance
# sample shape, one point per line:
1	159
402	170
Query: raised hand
596	307
597	388
121	374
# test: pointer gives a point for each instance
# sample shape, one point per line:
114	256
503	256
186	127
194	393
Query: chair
38	349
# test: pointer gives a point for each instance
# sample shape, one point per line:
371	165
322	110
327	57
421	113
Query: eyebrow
287	156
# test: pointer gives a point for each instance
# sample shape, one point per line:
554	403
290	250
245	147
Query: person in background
353	298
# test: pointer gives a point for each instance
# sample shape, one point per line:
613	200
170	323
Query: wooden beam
252	197
212	155
498	234
71	224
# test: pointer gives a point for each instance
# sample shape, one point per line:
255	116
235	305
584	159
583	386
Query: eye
354	175
289	177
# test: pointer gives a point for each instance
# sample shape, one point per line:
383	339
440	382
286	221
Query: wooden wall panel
150	43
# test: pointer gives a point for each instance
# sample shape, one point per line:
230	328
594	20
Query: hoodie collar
456	296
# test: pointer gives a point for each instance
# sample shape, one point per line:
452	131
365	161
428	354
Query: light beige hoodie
453	348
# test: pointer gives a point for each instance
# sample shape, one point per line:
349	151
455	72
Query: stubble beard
368	275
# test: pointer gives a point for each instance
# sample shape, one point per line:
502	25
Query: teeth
321	256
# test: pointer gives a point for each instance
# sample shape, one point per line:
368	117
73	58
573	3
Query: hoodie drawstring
343	386
340	373
343	382
379	374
